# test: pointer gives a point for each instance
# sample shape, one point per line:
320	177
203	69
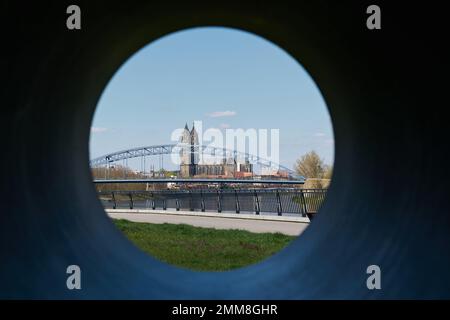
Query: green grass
203	249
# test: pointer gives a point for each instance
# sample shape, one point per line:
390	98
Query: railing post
202	203
164	204
131	201
238	206
257	207
303	203
177	204
279	207
114	200
191	202
219	202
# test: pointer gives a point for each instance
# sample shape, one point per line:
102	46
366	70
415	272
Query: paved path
257	224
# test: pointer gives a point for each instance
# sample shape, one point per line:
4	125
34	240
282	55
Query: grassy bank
202	249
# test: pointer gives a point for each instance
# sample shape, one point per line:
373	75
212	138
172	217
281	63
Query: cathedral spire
186	127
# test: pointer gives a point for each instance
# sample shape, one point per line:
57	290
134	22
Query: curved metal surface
386	205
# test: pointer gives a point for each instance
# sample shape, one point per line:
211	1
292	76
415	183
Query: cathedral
190	166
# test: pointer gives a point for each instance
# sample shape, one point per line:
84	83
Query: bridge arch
174	148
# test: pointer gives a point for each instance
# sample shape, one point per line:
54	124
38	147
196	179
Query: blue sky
224	77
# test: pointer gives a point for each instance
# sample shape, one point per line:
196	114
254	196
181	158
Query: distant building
242	175
190	166
189	153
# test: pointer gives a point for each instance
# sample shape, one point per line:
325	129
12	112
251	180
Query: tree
310	166
328	172
117	172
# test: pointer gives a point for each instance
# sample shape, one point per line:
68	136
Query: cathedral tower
189	152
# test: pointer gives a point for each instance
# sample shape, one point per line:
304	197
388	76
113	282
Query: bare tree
328	172
310	166
117	172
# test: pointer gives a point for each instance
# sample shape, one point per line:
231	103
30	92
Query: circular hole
211	148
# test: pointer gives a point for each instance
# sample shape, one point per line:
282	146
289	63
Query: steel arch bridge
177	148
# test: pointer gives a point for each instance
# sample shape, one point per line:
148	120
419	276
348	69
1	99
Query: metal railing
276	201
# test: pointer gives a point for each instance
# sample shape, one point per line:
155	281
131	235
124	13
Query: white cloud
98	130
217	114
224	126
